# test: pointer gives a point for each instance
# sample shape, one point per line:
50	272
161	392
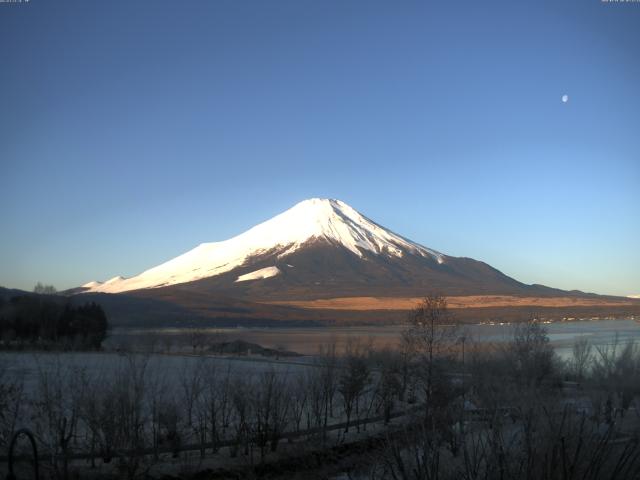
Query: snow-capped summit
327	220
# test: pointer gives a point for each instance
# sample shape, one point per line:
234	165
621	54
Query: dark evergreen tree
52	321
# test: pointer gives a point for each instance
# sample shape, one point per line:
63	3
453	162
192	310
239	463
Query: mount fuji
317	248
322	262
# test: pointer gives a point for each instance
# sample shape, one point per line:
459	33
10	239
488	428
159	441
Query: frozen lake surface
172	369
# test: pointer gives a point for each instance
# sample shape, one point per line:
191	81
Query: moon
565	98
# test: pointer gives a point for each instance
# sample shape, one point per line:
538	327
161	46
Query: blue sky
132	131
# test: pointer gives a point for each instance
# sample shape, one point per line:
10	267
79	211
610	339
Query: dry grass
471	301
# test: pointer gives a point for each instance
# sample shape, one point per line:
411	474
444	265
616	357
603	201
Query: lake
307	340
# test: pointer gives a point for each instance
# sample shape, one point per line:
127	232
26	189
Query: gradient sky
131	131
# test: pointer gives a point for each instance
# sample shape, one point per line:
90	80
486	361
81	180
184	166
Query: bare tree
315	399
354	377
169	421
270	408
530	355
44	289
57	407
168	343
156	402
300	390
126	406
197	339
11	402
544	443
430	338
193	401
388	385
90	414
215	399
324	386
616	370
211	400
240	400
581	357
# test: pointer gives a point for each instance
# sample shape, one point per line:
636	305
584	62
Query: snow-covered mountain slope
312	220
261	274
